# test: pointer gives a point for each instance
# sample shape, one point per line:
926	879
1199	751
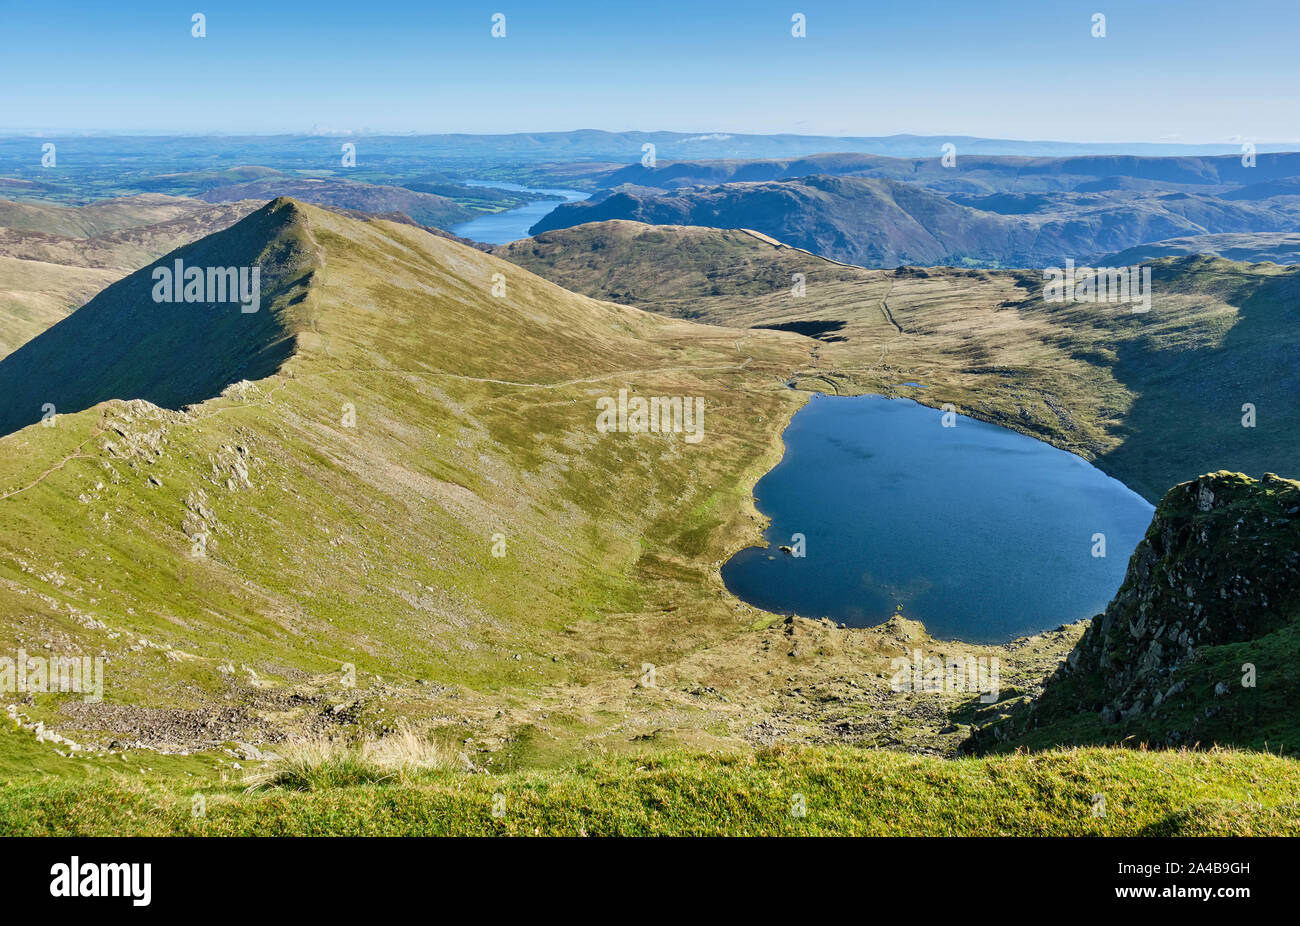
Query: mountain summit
142	340
392	469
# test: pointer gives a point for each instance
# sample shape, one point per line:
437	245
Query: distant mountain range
883	201
1271	175
885	223
982	211
299	151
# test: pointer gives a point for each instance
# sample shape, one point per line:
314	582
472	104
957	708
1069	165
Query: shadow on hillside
125	345
1188	412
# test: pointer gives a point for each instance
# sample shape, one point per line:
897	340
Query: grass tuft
321	763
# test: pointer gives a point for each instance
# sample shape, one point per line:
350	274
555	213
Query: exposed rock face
1220	564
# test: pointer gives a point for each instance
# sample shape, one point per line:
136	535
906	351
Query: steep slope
44	276
239	559
884	223
118	347
1198	645
1154	398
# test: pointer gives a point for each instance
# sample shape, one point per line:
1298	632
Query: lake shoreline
1053	479
499	228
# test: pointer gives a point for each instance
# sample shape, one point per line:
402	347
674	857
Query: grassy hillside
1278	247
326	545
1155	399
839	791
36	294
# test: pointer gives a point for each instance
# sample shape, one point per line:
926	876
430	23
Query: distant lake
980	532
504	227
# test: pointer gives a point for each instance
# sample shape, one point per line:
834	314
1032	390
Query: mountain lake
980	532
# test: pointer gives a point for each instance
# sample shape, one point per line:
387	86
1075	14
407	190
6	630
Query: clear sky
1193	71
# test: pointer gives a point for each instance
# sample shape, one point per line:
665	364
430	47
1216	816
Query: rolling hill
96	218
1153	398
126	248
1277	247
885	223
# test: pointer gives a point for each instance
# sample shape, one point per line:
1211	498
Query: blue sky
1191	71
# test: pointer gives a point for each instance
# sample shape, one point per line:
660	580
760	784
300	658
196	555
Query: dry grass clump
320	763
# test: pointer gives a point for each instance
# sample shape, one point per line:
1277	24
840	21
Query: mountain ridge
973	172
879	222
114	347
1096	379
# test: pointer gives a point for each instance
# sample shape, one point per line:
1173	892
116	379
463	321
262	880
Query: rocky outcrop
1220	564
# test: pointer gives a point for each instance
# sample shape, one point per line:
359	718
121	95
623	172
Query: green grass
371	545
1263	717
1153	399
844	792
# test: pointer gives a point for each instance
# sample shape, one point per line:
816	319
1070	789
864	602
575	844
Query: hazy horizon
1230	143
1005	69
